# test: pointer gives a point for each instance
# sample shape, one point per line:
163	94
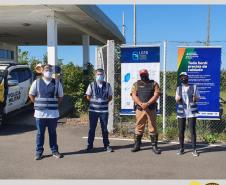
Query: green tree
23	57
33	62
75	84
45	60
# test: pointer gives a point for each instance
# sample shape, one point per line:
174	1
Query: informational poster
134	59
203	67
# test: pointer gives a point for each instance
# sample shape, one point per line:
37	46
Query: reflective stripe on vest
182	106
48	100
99	97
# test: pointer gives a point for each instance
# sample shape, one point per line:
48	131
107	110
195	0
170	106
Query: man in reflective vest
99	94
145	93
186	97
46	93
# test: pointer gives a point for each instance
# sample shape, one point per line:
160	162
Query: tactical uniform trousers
144	117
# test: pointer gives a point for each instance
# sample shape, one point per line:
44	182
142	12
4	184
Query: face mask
144	78
184	80
47	74
100	78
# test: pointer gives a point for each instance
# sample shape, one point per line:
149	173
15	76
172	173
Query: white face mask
47	74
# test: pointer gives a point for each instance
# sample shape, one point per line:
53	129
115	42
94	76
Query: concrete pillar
99	63
110	79
52	40
85	44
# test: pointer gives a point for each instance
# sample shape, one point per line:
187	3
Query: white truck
15	81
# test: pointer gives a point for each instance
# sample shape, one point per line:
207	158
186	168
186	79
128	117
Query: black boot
137	144
154	143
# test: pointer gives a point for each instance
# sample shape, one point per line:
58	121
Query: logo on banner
135	55
140	55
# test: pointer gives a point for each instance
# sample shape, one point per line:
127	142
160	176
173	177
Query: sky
180	25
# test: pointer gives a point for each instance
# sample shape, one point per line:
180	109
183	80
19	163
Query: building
53	23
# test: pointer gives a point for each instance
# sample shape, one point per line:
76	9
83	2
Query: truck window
24	74
13	75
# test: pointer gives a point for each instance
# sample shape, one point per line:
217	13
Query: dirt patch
75	121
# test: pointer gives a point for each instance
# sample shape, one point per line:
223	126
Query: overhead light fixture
26	24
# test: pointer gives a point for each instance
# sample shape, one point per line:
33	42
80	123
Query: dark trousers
51	124
192	127
93	119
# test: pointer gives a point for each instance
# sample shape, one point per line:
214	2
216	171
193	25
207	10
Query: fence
207	130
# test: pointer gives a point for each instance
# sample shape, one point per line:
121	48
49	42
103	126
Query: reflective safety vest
182	105
46	95
145	91
99	97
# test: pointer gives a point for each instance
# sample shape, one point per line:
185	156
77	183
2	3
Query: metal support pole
134	25
123	24
164	88
208	26
110	79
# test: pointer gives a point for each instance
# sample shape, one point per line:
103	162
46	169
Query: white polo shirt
185	95
89	90
46	113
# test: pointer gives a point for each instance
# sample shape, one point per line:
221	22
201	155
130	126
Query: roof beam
61	17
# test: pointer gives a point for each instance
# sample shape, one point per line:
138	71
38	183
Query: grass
223	95
208	131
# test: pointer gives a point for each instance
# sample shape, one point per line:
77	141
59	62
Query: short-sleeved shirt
156	88
185	90
89	89
46	113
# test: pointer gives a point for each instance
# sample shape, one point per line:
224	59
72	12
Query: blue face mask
100	78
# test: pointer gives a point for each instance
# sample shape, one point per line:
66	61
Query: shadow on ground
10	129
164	147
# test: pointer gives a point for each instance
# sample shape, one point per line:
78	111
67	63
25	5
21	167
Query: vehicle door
25	80
14	94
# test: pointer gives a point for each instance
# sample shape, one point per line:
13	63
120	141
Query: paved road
17	158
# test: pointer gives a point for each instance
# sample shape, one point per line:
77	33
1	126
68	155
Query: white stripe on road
172	142
116	139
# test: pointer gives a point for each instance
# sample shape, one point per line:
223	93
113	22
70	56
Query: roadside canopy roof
27	24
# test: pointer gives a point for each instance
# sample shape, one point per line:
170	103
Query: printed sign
202	65
134	59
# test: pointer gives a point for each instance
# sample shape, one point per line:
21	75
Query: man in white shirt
46	93
99	94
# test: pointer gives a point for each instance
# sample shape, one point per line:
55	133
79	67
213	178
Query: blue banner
140	54
203	68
